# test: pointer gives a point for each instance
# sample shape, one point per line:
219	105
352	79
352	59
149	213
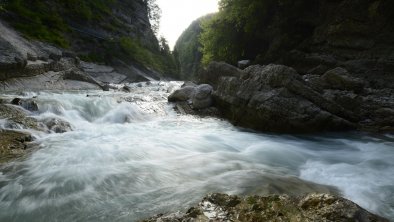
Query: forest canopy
241	29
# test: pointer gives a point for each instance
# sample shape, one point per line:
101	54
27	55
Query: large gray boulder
276	98
194	99
182	94
202	97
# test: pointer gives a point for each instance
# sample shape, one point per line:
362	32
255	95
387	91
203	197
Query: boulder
57	125
13	144
27	104
202	97
307	208
126	89
17	116
182	94
276	98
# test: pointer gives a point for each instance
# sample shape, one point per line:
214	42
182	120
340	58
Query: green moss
44	21
51	21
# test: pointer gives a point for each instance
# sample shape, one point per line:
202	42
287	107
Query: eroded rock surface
276	98
13	144
311	207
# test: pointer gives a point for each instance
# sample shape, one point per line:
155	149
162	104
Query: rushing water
130	156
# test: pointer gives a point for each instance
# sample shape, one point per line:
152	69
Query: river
130	155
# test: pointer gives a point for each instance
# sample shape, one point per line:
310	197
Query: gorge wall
111	32
310	36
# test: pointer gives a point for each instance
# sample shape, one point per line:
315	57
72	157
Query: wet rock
186	108
202	97
311	207
17	115
182	94
27	104
57	125
13	144
194	100
106	87
126	89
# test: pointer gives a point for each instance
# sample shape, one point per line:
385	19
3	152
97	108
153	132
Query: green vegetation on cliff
239	30
289	32
45	20
97	30
187	49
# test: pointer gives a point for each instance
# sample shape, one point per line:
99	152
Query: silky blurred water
130	156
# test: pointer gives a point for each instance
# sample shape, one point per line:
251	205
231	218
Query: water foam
131	156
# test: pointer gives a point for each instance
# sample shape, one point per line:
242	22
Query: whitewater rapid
130	155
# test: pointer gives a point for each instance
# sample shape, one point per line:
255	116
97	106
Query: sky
177	15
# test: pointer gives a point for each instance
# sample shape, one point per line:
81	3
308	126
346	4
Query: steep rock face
311	207
276	98
117	33
354	34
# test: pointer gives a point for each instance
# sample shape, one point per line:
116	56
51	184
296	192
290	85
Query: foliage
154	14
44	20
59	22
161	61
187	47
244	29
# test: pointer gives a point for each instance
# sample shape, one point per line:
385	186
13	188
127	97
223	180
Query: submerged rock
57	125
311	207
126	89
18	116
13	144
27	104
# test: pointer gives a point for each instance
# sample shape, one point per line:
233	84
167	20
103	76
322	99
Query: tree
164	47
154	14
